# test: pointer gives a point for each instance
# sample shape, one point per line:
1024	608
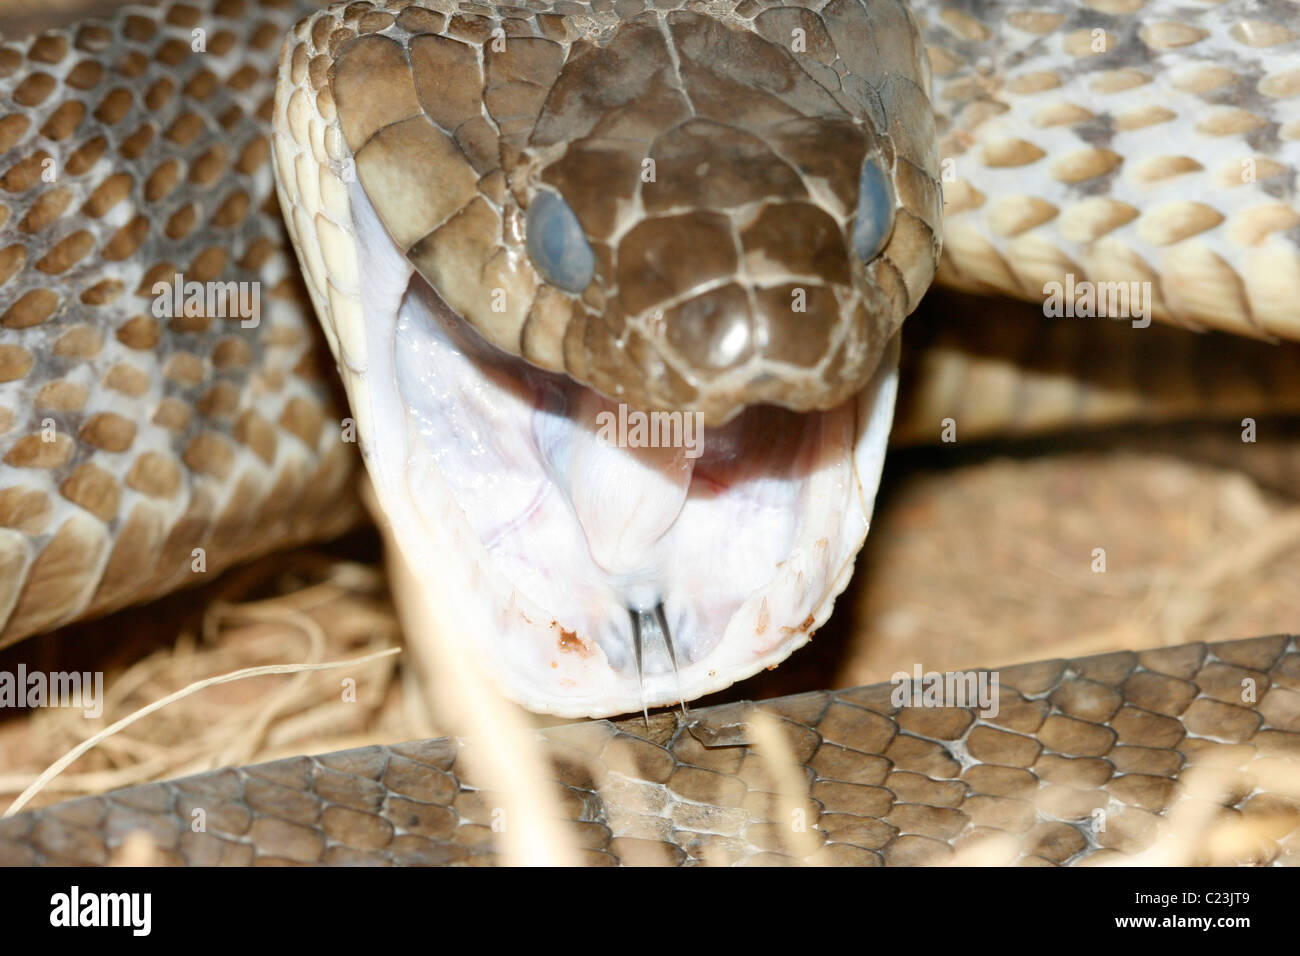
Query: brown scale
1121	733
683	90
157	447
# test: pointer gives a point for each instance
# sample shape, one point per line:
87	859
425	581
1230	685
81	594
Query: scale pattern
885	785
129	437
451	116
1121	141
127	440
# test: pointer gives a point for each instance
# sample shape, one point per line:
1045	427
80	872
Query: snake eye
556	243
875	216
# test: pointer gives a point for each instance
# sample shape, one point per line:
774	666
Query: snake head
677	212
706	274
599	219
722	230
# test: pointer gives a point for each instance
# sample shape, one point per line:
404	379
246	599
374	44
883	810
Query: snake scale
490	206
884	785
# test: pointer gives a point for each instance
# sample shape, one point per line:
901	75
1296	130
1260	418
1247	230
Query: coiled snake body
513	220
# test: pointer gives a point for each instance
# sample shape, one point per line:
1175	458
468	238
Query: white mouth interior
502	488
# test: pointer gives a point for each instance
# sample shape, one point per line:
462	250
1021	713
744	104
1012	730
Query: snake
1086	761
522	225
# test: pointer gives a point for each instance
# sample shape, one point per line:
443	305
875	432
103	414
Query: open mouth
643	212
599	568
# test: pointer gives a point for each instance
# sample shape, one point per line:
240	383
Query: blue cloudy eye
875	216
556	243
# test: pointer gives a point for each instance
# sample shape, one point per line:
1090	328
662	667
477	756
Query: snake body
143	447
132	439
1081	762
